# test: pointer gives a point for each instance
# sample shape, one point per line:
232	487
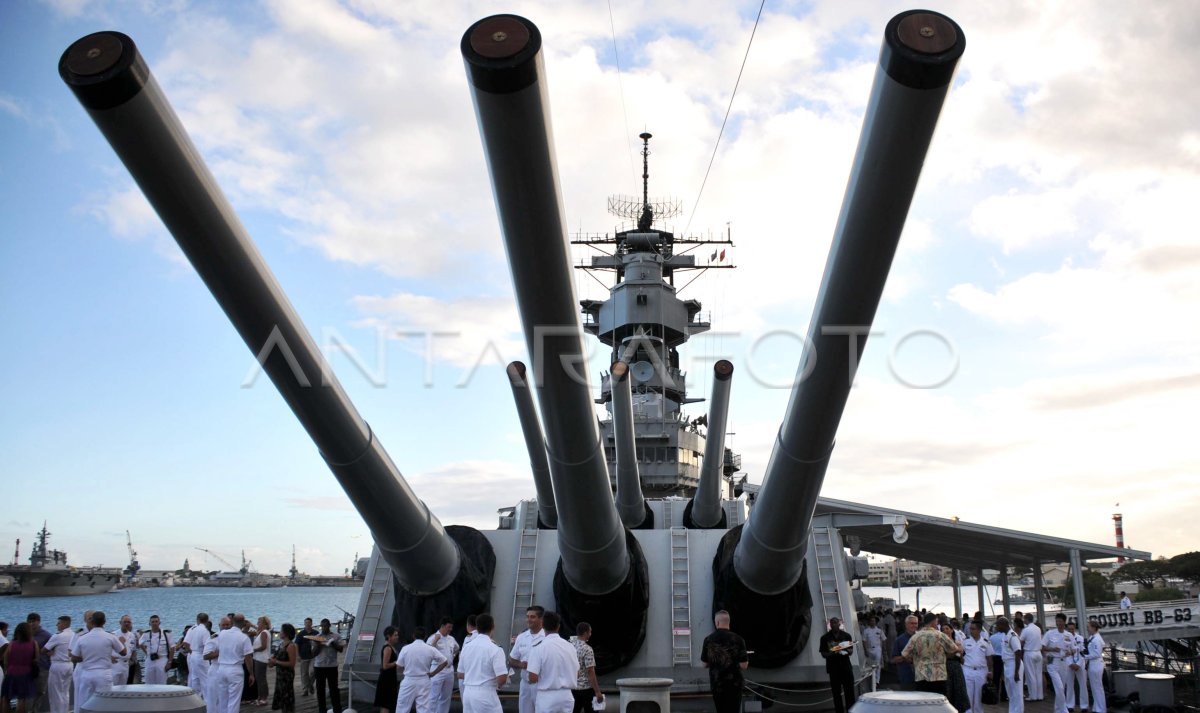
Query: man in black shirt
724	654
835	649
306	650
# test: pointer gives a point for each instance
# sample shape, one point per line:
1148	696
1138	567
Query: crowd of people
971	663
557	675
227	663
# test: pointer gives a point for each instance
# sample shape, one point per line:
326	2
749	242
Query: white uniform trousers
441	688
1055	669
554	700
58	686
1071	678
414	689
875	655
527	697
88	682
976	678
120	673
480	699
225	688
1016	696
156	671
1034	681
1095	676
198	674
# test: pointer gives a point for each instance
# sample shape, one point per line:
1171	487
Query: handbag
988	695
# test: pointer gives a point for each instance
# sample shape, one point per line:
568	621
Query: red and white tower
1120	535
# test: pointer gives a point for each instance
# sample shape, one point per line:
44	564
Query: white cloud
465	332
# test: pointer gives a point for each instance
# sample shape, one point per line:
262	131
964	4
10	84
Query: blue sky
1052	244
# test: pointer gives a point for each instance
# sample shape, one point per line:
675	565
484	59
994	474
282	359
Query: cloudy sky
1051	249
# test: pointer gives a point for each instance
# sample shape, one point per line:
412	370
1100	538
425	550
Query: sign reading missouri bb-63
1173	614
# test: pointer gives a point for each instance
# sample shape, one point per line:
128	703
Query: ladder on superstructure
526	564
831	602
380	585
681	599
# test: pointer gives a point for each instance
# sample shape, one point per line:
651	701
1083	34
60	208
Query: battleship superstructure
637	528
49	575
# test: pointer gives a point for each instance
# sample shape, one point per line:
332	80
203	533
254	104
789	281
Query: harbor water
941	599
178	606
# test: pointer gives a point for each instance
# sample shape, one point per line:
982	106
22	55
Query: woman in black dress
956	681
387	689
284	662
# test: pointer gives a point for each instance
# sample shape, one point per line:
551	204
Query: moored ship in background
49	575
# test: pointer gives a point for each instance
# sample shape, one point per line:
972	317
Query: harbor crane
133	568
232	567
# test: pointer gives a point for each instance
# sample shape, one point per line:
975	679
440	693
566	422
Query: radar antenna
643	210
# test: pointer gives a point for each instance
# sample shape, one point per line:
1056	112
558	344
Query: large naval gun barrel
706	503
916	65
601	573
504	64
631	504
109	77
535	443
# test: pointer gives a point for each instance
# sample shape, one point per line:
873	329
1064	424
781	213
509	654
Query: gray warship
641	525
49	575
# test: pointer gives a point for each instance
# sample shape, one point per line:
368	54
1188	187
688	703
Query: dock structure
971	547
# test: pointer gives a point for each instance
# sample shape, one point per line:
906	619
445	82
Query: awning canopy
962	545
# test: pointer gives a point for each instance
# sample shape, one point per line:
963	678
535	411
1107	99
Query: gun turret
916	64
109	77
706	509
601	574
535	443
631	504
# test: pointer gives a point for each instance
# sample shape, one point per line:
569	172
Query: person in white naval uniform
554	668
193	645
93	651
1094	654
232	654
1076	668
87	626
1031	644
210	647
977	656
519	656
472	630
1054	648
1125	603
58	684
129	639
418	663
872	636
1011	654
481	669
441	686
157	647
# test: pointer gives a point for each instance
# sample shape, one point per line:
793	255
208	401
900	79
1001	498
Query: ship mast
644	322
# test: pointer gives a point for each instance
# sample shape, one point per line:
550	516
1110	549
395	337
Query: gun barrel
535	443
109	77
503	60
706	504
916	64
631	504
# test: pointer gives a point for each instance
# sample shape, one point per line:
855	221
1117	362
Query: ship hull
66	584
